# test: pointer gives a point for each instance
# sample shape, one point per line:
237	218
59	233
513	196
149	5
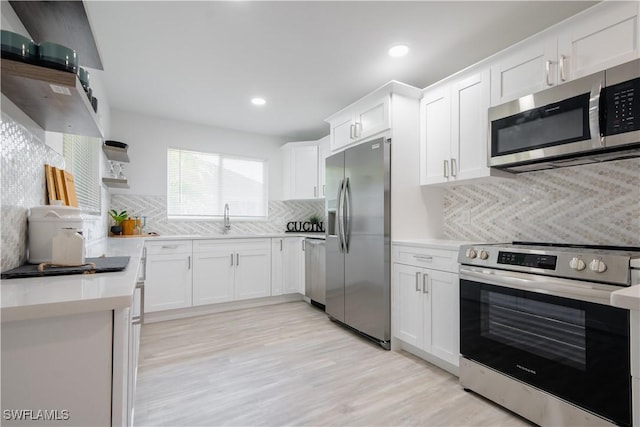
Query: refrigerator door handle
339	215
346	233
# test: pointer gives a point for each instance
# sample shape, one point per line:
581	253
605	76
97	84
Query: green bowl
16	46
54	55
83	75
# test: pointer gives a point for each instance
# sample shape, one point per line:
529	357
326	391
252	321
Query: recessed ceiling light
399	50
258	101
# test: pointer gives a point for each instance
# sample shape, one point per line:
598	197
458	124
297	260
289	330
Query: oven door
557	122
573	349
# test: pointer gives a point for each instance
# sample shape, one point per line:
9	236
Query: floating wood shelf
53	99
115	183
116	154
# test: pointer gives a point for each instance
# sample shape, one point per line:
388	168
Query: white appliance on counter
44	224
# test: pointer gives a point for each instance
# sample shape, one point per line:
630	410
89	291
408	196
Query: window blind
200	184
82	156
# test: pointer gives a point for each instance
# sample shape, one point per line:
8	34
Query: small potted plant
316	225
117	217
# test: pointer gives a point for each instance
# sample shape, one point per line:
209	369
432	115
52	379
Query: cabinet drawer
235	245
168	247
436	259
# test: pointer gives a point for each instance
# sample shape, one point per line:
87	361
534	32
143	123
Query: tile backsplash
590	204
155	209
22	157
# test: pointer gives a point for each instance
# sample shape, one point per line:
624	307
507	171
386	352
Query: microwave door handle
597	114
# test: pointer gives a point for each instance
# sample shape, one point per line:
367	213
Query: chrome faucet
227	220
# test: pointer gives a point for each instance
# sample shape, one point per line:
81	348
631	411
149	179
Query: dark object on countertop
102	265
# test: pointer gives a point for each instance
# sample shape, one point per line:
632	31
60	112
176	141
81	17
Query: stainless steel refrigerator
358	254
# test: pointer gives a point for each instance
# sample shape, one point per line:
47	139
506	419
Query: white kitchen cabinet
426	302
231	270
601	37
598	38
169	278
300	166
324	150
453	130
366	117
287	261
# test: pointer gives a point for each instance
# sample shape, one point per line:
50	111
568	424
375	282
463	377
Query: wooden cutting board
61	193
51	183
70	189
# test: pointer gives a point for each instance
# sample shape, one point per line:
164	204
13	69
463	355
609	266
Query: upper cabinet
453	130
601	37
303	167
367	117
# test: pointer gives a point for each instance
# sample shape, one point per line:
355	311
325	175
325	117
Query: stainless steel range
538	334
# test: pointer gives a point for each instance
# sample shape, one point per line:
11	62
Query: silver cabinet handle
423	257
232	258
170	247
189	262
323	193
454	168
425	286
303	245
446	168
139	320
417	281
358	128
563	76
237	259
315	191
352	131
547	66
144	264
280	247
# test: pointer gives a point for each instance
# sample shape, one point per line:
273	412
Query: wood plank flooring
288	364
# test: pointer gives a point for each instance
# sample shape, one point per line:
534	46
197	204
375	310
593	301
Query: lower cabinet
168	283
426	307
287	265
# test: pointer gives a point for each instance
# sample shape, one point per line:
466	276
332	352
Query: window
200	184
82	157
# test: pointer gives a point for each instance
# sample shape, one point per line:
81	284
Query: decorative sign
305	227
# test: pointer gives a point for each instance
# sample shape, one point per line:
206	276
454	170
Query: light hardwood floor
289	365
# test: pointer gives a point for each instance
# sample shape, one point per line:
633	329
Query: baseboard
443	364
181	313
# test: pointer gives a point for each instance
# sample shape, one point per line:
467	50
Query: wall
589	204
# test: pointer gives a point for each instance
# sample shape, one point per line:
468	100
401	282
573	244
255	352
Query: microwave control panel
622	107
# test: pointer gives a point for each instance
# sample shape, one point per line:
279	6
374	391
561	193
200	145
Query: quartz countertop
229	236
432	243
40	297
628	298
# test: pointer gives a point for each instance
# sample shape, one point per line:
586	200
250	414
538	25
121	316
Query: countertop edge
628	298
453	245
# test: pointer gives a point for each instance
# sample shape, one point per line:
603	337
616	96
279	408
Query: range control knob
598	266
471	253
483	255
577	263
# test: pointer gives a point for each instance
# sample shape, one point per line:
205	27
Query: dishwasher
314	277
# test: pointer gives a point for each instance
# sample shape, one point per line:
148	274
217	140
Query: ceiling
203	61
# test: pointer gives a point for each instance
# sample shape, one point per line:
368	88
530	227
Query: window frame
94	182
220	217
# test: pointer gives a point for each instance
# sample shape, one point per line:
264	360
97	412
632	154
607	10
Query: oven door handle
572	289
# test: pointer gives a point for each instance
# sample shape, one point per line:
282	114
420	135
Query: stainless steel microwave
591	119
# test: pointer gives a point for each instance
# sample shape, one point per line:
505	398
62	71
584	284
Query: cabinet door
469	116
372	118
408	304
293	266
341	131
213	277
324	150
604	36
253	274
526	69
304	182
435	135
277	266
168	283
442	315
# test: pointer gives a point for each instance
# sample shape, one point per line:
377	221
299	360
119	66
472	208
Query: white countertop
40	297
433	243
227	236
628	298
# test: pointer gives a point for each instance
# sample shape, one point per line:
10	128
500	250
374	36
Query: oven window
564	122
551	331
